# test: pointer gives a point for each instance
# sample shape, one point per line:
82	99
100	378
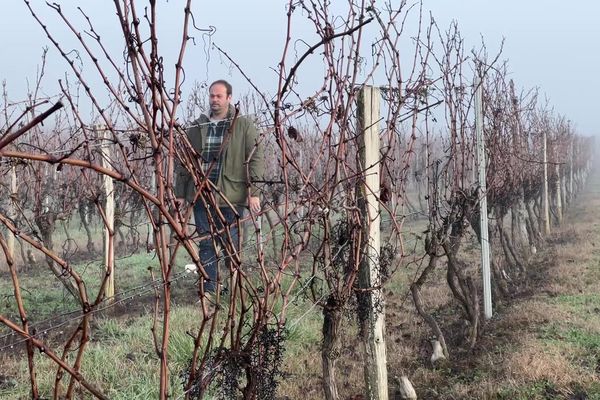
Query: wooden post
373	323
558	188
546	200
520	234
109	210
571	155
13	209
12	214
483	214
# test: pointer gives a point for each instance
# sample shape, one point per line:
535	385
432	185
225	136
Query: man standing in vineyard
231	158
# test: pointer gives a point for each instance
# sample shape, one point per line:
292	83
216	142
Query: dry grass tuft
529	314
538	362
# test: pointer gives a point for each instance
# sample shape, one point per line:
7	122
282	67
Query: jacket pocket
234	189
235	176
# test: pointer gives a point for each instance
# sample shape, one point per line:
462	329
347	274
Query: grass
47	297
121	356
555	347
544	344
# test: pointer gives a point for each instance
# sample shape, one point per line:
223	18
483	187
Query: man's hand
254	204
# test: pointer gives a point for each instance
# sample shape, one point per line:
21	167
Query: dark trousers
220	236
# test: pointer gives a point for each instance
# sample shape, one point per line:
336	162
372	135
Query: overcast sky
550	44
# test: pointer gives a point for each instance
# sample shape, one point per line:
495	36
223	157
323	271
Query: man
231	157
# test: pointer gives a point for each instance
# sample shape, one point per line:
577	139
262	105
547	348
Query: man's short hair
223	82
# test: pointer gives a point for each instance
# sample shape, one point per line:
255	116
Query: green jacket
237	175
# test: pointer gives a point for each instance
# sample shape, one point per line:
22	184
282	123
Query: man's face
219	99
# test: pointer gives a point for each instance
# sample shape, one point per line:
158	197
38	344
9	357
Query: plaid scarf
212	158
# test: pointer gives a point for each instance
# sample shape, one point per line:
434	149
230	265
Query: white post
370	279
546	211
483	214
109	210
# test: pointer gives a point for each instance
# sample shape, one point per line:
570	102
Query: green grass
41	299
535	390
45	296
121	356
580	303
582	345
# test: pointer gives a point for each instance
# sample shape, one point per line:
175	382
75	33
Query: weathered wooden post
11	240
571	155
373	320
558	189
483	214
518	211
546	200
12	214
109	211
